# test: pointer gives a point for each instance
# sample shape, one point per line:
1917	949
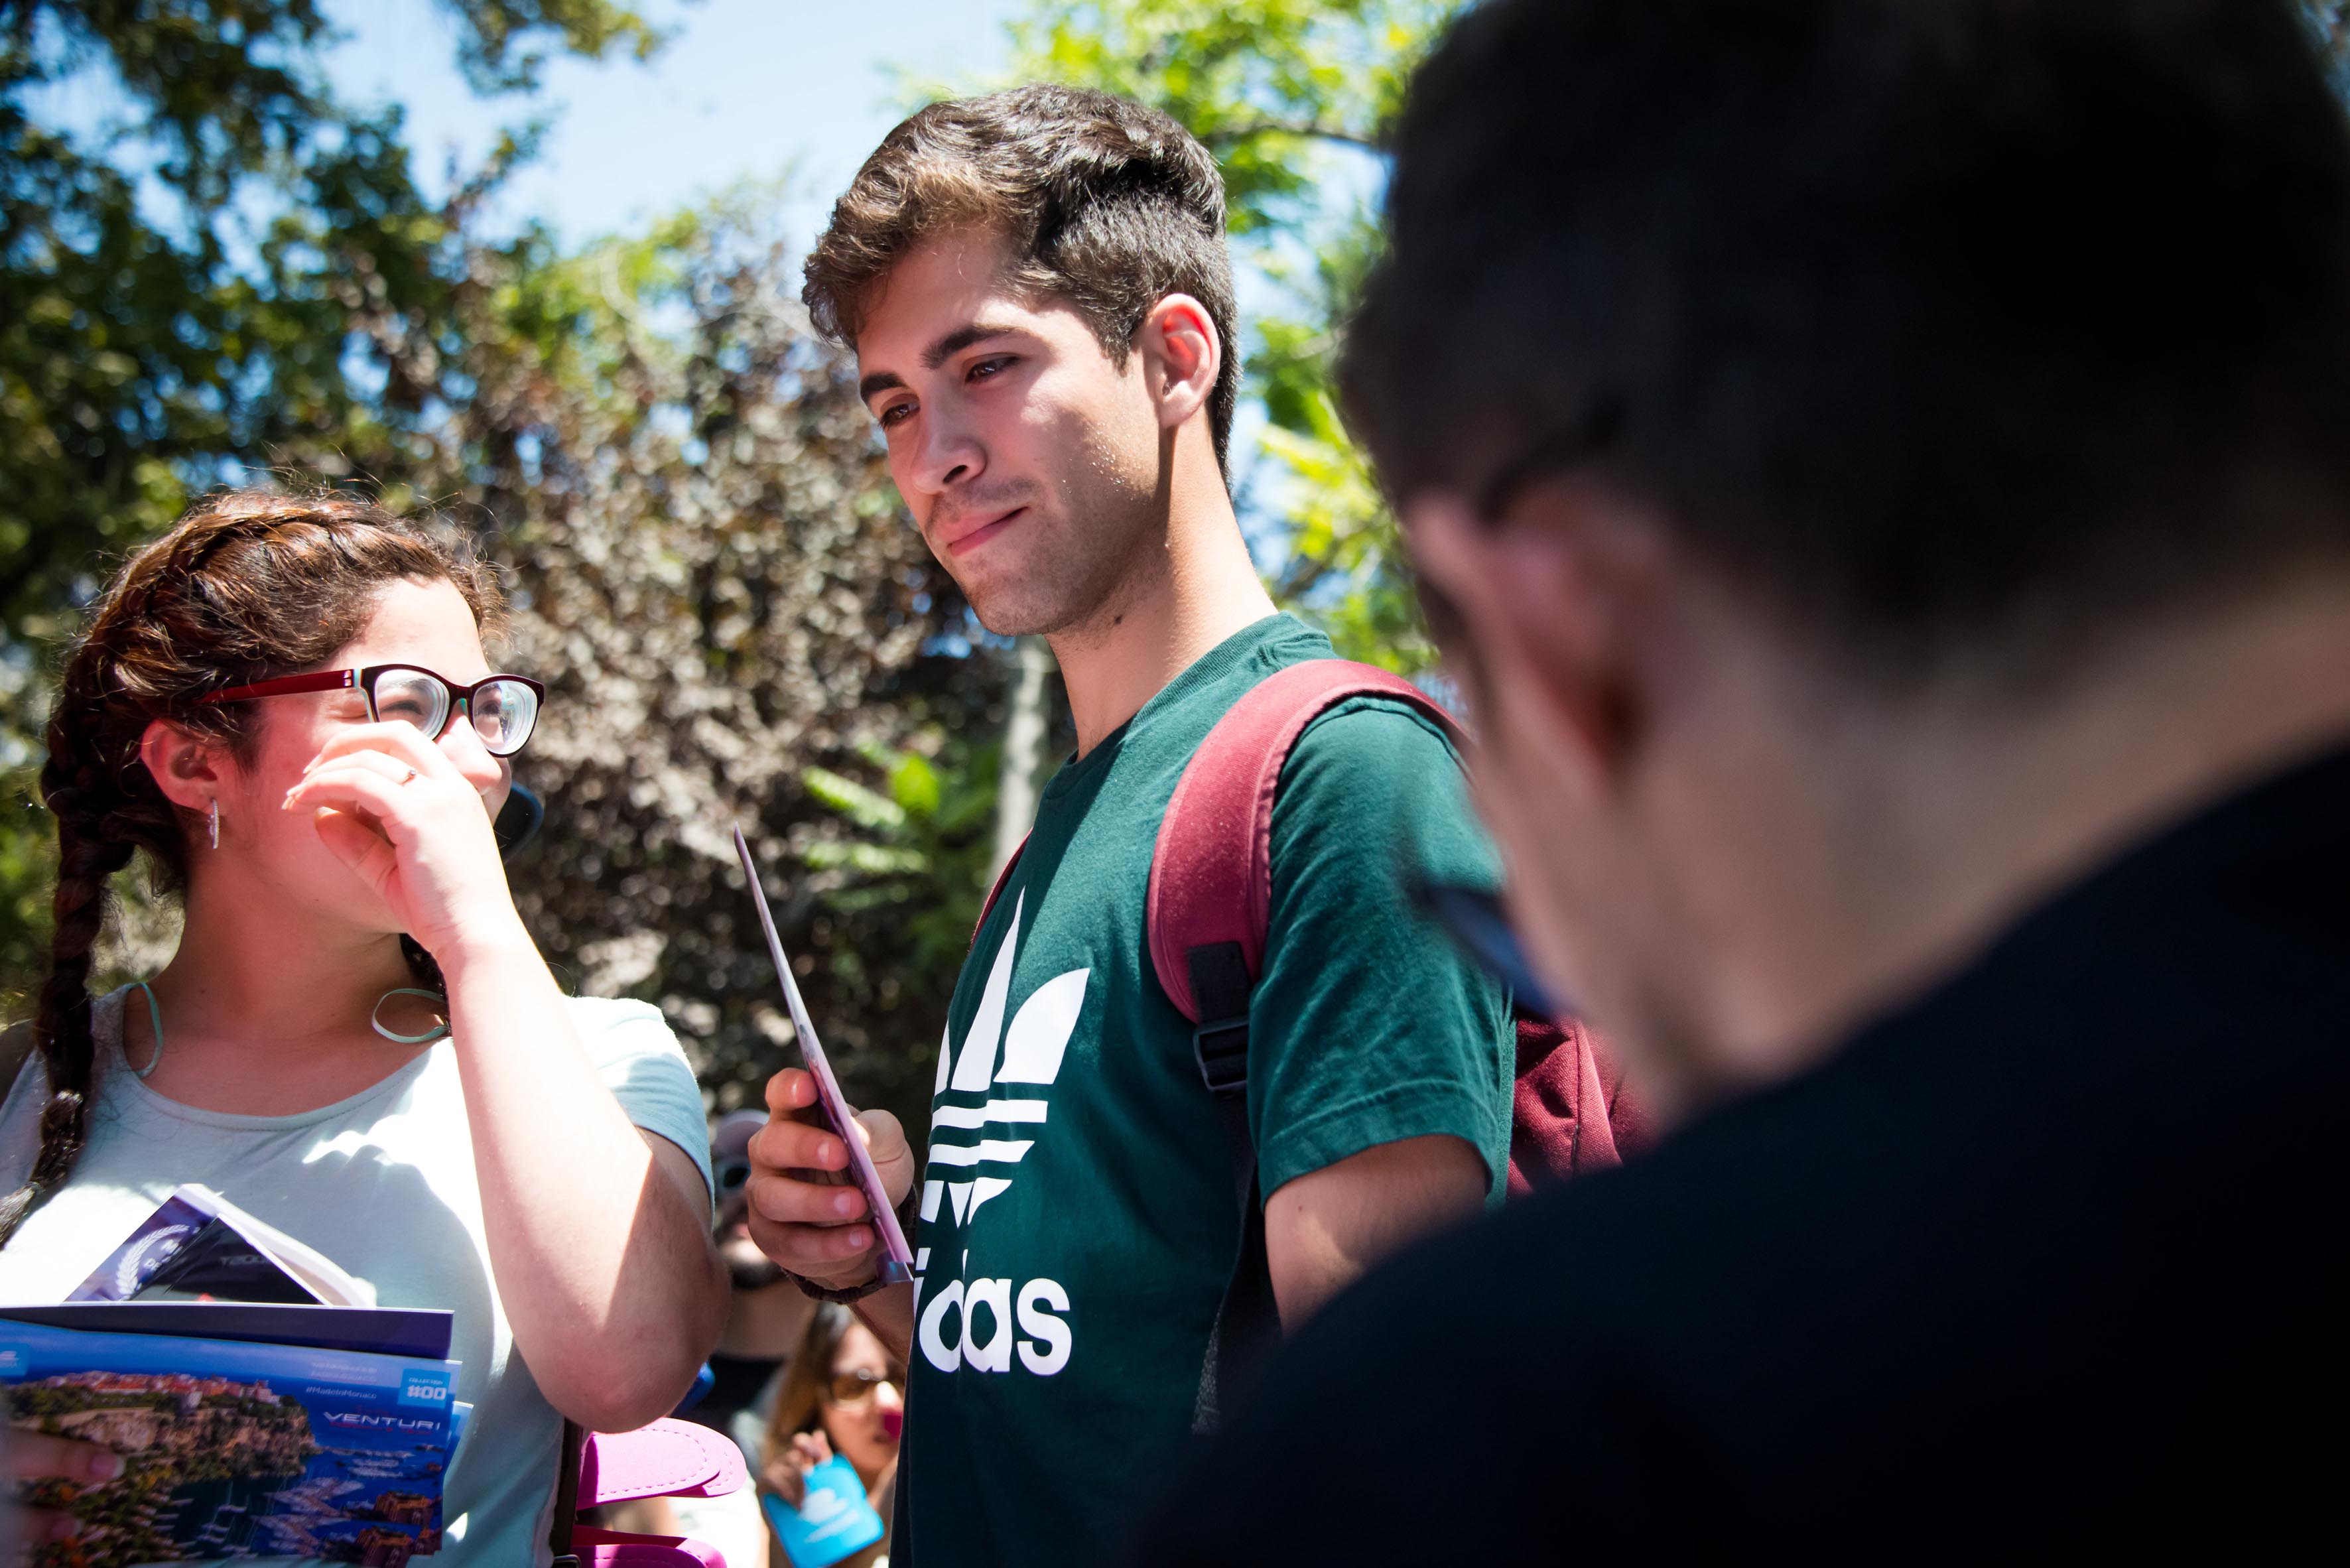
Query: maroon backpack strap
1209	907
1211	872
996	892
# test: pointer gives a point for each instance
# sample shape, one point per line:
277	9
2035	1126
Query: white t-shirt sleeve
639	1060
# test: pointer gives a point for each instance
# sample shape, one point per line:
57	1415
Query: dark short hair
1100	202
1955	329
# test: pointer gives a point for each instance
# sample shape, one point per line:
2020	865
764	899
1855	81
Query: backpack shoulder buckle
1221	1047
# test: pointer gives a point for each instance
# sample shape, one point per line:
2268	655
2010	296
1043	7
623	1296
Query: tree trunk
1025	726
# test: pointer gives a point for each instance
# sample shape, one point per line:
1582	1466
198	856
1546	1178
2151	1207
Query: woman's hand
399	810
29	1457
785	1475
579	1206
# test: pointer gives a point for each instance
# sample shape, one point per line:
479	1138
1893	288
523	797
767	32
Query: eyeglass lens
503	711
856	1387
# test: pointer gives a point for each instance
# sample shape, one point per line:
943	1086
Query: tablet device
896	1259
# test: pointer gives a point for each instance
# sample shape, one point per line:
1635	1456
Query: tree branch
1302	573
1313	130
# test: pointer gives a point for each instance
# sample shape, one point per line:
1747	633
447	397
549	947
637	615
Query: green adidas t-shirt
1077	1221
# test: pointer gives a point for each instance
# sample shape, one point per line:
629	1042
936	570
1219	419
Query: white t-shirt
383	1184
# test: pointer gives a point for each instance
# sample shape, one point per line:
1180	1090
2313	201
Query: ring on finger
409	777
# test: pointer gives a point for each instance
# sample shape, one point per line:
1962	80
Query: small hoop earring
155	1019
375	1019
216	822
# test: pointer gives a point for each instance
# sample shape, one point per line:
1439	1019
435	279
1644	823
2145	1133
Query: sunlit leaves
868	809
234	272
920	854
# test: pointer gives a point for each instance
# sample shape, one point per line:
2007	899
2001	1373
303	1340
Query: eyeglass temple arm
286	685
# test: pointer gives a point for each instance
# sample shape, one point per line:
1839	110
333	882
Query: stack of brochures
263	1405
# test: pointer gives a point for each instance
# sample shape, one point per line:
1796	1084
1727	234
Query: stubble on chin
1032	600
1078	567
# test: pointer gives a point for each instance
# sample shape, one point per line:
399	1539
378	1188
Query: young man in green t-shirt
1036	288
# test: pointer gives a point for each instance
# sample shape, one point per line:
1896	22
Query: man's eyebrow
936	354
961	339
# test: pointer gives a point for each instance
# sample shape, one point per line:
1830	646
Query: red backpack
1209	907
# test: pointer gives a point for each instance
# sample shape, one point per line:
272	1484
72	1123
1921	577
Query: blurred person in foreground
1037	287
1879	474
843	1394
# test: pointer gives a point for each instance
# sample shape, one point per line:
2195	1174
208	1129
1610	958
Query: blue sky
745	90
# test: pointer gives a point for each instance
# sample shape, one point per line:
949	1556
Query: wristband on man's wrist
825	1294
854	1293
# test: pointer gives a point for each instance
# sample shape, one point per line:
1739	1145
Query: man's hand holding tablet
804	1211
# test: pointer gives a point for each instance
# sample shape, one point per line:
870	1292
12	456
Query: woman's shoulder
639	1058
620	1034
639	1024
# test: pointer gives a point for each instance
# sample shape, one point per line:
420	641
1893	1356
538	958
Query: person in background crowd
1037	287
1879	476
286	703
843	1393
767	1314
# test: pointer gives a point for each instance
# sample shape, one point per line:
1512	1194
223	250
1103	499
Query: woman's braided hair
244	587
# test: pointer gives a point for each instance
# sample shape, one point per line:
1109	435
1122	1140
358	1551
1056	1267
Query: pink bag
667	1459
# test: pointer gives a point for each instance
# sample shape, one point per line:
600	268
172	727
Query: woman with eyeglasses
843	1396
287	705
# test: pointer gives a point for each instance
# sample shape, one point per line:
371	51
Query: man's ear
188	768
1181	356
1546	612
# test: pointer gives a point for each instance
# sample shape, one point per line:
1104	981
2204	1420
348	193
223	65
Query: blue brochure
832	1521
238	1450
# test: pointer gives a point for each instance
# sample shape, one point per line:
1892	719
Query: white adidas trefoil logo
969	1322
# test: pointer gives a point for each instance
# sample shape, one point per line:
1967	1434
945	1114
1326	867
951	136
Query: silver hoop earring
216	822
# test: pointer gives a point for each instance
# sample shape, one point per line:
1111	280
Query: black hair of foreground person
1952	330
1878	469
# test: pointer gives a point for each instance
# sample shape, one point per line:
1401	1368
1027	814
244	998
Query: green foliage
911	879
1266	84
501	45
1294	97
139	355
277	291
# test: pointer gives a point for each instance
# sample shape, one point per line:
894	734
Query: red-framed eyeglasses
504	709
